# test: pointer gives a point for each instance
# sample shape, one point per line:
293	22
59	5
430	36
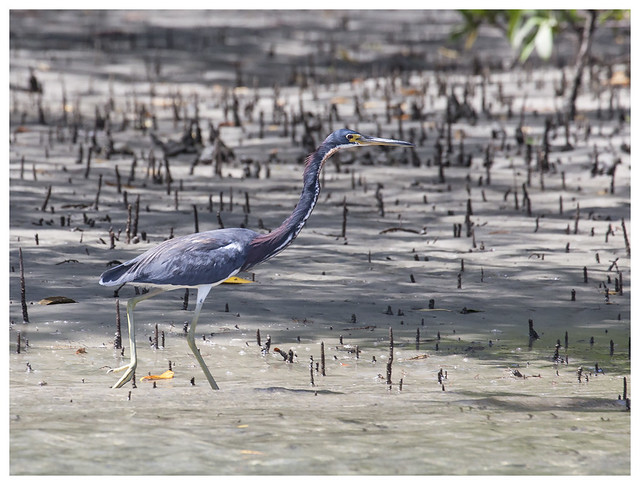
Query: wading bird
206	259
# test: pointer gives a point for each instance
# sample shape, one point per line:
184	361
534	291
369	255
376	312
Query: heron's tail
116	276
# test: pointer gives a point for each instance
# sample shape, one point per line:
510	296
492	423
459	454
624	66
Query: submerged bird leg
203	291
131	367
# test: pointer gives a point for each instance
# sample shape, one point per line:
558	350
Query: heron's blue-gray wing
197	259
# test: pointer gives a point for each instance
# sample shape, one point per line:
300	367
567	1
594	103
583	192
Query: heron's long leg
131	367
203	291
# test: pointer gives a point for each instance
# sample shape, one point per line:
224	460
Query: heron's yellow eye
349	137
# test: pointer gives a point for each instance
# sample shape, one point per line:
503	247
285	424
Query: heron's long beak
372	140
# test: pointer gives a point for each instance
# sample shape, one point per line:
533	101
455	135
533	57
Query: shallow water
268	419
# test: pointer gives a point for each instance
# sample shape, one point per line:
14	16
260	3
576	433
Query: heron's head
345	138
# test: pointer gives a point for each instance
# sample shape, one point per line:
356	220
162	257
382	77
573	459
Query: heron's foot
118	369
212	381
207	374
128	374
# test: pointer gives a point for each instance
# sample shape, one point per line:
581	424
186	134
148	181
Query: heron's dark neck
267	245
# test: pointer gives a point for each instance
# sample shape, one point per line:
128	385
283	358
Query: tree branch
581	62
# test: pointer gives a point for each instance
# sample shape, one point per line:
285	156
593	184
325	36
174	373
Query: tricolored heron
206	259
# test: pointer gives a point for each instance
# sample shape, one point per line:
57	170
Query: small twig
117	342
311	370
185	301
195	218
585	274
626	239
396	229
168	177
89	153
95	203
265	348
132	171
620	289
23	299
128	226
46	200
380	200
390	360
118	181
134	231
112	238
345	211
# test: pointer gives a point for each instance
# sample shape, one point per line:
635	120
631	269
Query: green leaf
526	51
613	15
471	39
544	39
521	33
515	20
